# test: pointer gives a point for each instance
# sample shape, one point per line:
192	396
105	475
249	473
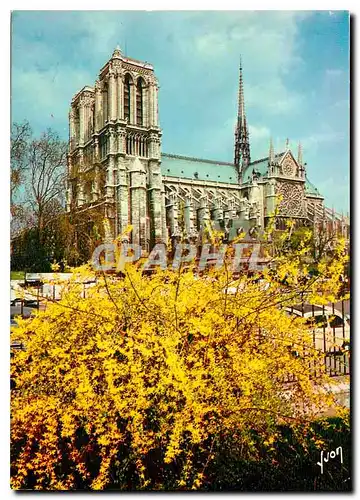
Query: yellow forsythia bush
131	386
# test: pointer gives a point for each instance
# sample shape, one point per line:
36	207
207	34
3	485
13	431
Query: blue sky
296	72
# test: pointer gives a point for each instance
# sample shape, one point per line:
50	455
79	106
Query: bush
290	466
165	382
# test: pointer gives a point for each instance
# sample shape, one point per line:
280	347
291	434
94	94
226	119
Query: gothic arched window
74	192
77	125
127	95
105	103
139	101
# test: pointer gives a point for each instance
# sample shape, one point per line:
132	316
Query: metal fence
330	327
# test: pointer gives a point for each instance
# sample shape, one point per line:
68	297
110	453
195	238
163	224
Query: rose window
288	168
292	199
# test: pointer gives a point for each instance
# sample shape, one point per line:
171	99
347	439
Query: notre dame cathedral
116	167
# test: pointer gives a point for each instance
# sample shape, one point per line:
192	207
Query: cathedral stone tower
118	174
114	158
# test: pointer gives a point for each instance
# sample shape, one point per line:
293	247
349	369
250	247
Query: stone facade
115	166
114	157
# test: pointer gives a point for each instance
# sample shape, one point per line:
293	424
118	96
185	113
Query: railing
35	299
332	336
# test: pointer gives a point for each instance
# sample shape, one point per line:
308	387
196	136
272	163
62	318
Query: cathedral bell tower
115	139
242	144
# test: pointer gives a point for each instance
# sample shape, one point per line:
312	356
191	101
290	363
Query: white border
4	169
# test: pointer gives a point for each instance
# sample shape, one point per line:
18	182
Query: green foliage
66	239
170	382
290	466
29	254
17	275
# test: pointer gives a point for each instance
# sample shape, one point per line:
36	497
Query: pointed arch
105	104
127	96
140	101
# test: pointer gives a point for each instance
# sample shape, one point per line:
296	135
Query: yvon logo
331	454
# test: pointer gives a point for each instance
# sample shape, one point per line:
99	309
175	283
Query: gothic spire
242	145
241	102
271	152
117	51
300	154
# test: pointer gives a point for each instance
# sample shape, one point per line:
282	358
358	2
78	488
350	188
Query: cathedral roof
310	188
212	170
260	166
196	168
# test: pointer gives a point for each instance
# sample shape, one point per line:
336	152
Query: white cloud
259	133
44	82
315	140
100	32
268	43
342	103
336	192
273	96
42	95
334	72
210	43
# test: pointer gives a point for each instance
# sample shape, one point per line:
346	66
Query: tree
19	161
47	168
68	239
41	230
37	197
138	384
83	231
19	164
